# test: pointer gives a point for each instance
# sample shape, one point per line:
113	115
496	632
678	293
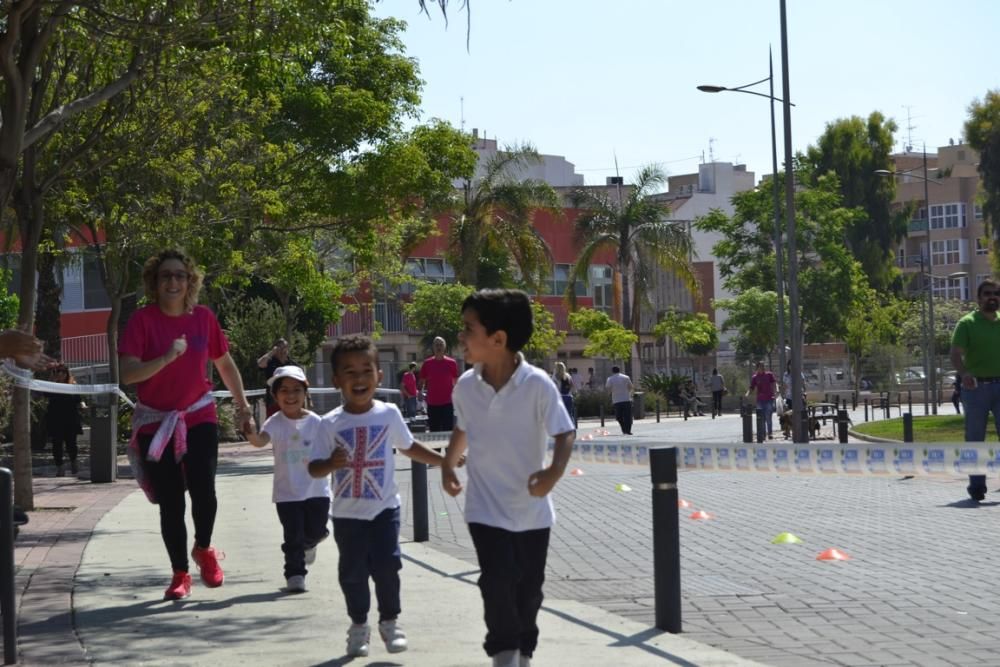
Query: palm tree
497	219
642	238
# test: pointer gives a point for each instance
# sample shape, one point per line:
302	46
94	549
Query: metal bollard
657	410
908	427
418	482
909	400
601	409
104	440
666	539
747	417
866	409
842	426
8	607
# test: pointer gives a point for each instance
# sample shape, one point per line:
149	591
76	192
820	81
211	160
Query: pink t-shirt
150	333
440	375
765	385
410	383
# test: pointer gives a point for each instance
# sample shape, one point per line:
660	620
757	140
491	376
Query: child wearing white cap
303	502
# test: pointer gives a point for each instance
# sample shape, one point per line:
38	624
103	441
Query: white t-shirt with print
367	486
295	443
507	433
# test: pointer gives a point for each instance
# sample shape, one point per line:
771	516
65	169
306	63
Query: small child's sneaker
393	636
180	586
358	637
296	583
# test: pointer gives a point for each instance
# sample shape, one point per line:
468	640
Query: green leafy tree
872	321
436	310
693	332
982	131
497	217
605	337
853	148
829	275
753	314
8	302
636	229
252	324
545	339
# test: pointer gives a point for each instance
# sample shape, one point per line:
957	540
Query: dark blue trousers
511	574
369	549
304	525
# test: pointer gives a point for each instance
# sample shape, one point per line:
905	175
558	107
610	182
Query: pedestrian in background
764	383
63	421
271	361
564	382
620	386
974	346
408	390
438	375
718	386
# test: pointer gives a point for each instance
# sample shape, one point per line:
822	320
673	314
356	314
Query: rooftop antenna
711	153
910	127
461	102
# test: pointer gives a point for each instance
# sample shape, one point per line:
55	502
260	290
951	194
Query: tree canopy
982	131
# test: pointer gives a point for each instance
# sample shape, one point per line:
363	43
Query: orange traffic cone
701	515
833	554
576	472
683	504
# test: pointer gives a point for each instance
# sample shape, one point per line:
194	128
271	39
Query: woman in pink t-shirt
175	443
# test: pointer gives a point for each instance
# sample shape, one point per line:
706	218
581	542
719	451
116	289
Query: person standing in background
438	375
271	361
620	386
408	390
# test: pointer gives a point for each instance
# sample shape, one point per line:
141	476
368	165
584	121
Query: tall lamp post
777	201
926	280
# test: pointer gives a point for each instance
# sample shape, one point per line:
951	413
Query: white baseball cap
290	371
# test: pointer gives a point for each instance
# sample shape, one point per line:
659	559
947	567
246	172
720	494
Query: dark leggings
168	477
67	439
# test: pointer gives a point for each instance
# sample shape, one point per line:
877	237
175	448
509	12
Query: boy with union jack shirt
357	441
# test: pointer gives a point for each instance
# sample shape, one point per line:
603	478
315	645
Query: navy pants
440	417
623	413
196	471
304	525
369	549
511	574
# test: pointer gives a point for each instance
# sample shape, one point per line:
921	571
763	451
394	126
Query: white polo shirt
507	433
620	386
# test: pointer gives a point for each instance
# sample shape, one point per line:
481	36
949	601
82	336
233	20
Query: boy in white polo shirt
505	410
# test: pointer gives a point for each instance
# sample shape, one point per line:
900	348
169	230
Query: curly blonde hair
151	273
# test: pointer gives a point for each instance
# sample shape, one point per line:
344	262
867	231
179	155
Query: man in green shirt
975	354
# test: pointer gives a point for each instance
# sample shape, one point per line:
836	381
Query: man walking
974	346
764	382
621	388
438	375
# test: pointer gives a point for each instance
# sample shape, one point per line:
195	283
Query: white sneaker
507	659
393	636
310	556
358	637
296	583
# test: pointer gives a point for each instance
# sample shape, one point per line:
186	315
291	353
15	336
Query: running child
505	410
303	503
356	445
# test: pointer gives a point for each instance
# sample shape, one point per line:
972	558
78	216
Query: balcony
917	225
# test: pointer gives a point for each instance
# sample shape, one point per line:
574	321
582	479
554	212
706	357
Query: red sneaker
180	586
207	561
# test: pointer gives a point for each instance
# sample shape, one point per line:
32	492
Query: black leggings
67	439
196	471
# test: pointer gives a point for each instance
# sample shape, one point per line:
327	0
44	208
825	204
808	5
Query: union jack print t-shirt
367	486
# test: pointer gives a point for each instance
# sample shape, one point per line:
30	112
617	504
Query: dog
785	421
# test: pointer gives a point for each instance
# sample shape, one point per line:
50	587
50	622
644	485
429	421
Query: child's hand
450	482
461	461
339	458
541	483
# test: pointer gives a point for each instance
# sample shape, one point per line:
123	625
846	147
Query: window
982	246
949	251
978	211
947	216
427	270
900	257
94	295
560	281
82	288
602	289
952	288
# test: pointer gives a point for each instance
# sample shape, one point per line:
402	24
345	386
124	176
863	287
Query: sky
598	81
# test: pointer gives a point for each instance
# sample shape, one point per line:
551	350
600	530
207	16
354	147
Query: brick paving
916	592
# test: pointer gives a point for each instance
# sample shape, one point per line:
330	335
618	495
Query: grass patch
940	428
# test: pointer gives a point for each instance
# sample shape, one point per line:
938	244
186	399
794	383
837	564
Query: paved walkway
91	573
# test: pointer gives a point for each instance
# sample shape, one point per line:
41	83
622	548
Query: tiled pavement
917	591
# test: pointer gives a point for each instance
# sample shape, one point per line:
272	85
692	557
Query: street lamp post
779	261
926	280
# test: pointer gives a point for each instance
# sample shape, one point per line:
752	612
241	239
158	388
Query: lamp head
712	89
